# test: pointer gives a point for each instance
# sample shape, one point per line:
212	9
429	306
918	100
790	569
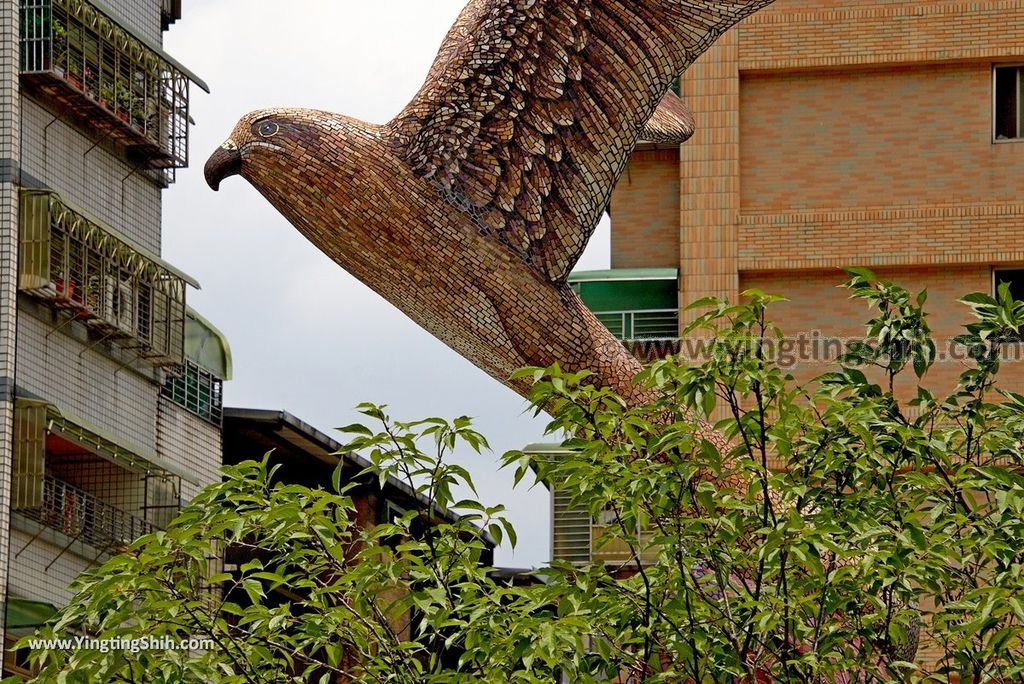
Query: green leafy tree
813	535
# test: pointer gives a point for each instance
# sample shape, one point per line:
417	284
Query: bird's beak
226	161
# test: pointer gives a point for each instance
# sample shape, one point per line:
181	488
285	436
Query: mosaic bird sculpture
470	208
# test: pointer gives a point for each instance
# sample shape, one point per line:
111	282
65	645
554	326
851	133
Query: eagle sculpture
469	209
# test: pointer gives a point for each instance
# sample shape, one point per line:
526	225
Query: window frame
1020	101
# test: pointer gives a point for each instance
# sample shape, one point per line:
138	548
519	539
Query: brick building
111	385
834	133
829	133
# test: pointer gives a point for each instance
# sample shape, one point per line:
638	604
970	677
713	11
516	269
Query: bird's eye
268	129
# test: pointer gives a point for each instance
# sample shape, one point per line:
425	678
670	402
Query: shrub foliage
840	526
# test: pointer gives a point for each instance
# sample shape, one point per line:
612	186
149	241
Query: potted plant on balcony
138	114
74	75
59	45
90	81
107	97
124	102
65	289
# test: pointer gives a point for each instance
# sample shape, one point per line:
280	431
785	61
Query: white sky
306	336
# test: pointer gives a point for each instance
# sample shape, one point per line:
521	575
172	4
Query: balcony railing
649	324
640	306
77	265
84	517
82	60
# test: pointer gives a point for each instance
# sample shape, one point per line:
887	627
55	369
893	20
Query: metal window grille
91	67
577	538
81	267
197	390
647	324
571	530
29	455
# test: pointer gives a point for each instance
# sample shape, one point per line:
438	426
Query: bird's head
264	140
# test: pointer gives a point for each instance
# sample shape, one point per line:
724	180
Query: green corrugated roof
625	274
25	613
207	346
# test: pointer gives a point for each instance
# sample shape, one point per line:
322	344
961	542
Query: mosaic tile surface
468	210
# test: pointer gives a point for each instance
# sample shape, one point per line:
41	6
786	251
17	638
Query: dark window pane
1007	115
1016	280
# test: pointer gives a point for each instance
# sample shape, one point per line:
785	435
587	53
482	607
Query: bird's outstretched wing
532	107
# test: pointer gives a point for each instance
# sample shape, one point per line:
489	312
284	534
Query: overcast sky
306	336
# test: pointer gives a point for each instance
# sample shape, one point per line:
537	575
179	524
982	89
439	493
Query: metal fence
84	517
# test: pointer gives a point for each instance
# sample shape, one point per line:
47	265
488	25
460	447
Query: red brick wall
873	137
836	133
817	304
794	34
645	212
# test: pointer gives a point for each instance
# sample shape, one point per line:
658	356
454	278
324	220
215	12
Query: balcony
638	305
642	324
81	516
77	265
81	58
71	477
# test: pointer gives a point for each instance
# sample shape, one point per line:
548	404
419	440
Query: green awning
25	613
632	289
206	346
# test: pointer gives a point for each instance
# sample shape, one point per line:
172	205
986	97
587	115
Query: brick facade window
1008	114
